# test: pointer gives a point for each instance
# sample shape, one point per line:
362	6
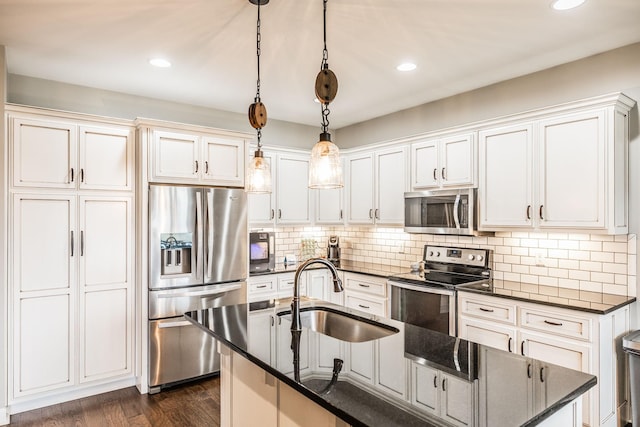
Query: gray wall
3	236
62	96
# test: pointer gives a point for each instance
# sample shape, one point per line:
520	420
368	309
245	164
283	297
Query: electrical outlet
400	247
541	260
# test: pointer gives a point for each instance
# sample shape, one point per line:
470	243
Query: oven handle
204	293
425	289
456	215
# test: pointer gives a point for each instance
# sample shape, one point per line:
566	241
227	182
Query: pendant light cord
323	66
257	99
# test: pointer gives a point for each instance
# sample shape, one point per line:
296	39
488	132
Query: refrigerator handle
209	271
199	233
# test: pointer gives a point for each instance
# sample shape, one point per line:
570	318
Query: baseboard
4	416
53	398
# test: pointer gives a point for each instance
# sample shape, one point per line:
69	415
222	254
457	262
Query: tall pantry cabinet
71	189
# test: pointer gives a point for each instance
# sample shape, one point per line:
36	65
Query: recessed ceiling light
566	4
160	62
406	66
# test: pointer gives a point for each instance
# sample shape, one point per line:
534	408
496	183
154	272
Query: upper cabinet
443	162
290	199
197	158
376	182
566	170
53	152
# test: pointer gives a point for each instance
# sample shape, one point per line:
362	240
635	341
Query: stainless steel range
427	298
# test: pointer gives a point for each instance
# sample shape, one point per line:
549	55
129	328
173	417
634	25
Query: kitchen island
410	377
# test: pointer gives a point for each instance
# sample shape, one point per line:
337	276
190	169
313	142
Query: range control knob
472	257
430	253
480	257
437	253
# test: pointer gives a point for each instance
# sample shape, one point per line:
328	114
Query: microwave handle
456	211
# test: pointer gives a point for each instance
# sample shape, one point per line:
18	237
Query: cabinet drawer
366	285
365	303
556	323
488	309
261	286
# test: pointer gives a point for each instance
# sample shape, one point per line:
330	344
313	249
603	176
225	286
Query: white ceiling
458	45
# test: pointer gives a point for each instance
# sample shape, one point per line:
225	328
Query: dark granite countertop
488	372
591	302
574	299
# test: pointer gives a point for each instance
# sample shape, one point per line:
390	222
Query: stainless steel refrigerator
197	259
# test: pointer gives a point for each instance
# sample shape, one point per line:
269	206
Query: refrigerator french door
197	259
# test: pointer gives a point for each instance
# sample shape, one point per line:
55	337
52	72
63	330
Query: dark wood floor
193	404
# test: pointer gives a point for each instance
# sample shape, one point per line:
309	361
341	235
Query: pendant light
325	168
258	175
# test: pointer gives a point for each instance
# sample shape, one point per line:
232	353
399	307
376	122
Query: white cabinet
365	293
376	185
197	158
66	249
391	365
290	201
566	170
443	395
50	152
573	339
444	162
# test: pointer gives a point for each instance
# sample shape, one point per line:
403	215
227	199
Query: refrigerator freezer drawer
179	350
176	302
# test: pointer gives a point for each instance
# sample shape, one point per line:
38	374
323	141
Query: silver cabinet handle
370	213
72	244
528	211
261	286
81	242
377	213
196	166
72	175
206	166
435	174
540	212
443	174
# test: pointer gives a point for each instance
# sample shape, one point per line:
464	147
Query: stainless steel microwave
442	212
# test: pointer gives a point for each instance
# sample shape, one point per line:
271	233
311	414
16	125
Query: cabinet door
424	165
175	155
361	361
457	160
43	343
488	333
329	206
391	365
44	242
572	171
558	351
106	277
106	158
262	207
319	284
223	160
44	153
259	341
505	190
294	204
391	183
456	402
426	388
360	185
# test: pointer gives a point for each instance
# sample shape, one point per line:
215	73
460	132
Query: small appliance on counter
333	250
262	252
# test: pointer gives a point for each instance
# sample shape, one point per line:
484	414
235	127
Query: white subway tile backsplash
569	261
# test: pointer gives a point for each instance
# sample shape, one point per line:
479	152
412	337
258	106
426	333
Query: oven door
428	307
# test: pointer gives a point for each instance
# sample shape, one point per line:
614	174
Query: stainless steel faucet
296	324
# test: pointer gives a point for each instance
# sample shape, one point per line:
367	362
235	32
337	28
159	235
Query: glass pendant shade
258	176
325	168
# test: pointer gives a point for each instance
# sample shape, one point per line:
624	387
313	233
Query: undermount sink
341	325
